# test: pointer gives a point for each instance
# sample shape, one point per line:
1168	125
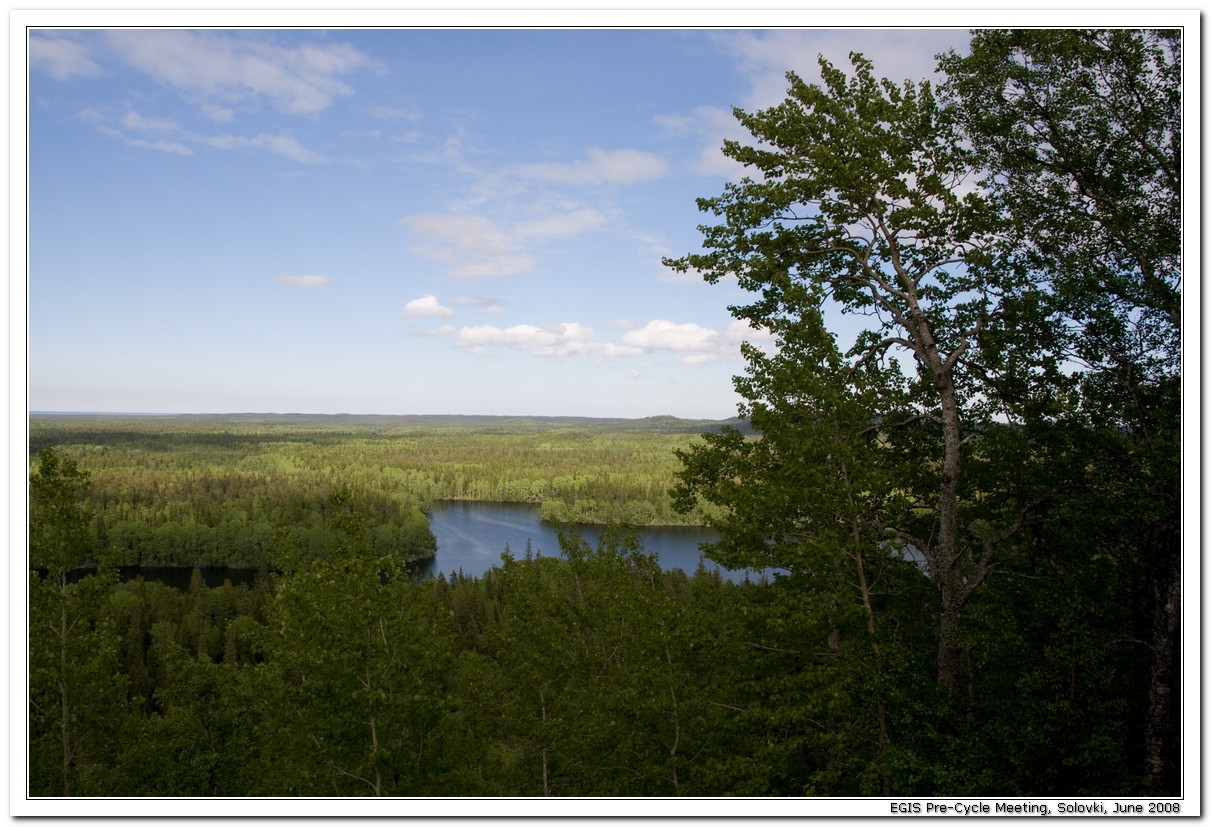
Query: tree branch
876	349
964	343
914	418
980	572
368	783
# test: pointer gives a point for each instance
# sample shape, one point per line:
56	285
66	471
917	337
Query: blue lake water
472	535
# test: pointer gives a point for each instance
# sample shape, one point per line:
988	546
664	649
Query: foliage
595	674
1080	132
76	691
358	708
856	203
58	522
1012	244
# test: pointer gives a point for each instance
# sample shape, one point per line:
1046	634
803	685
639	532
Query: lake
472	535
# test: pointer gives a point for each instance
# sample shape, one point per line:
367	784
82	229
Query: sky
395	221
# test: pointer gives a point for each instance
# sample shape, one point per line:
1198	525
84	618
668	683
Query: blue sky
394	221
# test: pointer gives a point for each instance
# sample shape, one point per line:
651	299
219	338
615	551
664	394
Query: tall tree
58	522
75	693
862	202
1009	253
1080	132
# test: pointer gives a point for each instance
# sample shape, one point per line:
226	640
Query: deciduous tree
1080	132
76	691
862	203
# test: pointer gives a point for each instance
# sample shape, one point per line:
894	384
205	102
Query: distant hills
430	422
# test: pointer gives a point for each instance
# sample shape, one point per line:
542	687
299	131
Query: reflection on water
471	536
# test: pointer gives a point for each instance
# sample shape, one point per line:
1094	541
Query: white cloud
483	303
741	331
899	54
561	225
218	114
691	275
209	67
551	341
764	57
660	334
699	345
471	233
504	267
712	125
396	113
612	351
712	161
439	333
474	246
171	147
567	339
693	343
427	306
619	166
509	218
133	120
471	245
304	281
282	145
655	251
61	58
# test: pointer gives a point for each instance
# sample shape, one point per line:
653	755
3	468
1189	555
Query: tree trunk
872	635
944	560
64	700
546	783
668	657
950	647
947	574
1159	731
881	705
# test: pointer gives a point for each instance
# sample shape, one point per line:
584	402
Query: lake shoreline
538	504
473	534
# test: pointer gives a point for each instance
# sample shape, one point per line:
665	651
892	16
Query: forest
977	504
243	491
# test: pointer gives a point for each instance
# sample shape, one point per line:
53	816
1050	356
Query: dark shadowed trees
975	296
1080	132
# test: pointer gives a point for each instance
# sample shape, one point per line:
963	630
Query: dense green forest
976	504
591	674
242	491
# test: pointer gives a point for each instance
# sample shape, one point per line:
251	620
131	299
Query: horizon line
347	414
